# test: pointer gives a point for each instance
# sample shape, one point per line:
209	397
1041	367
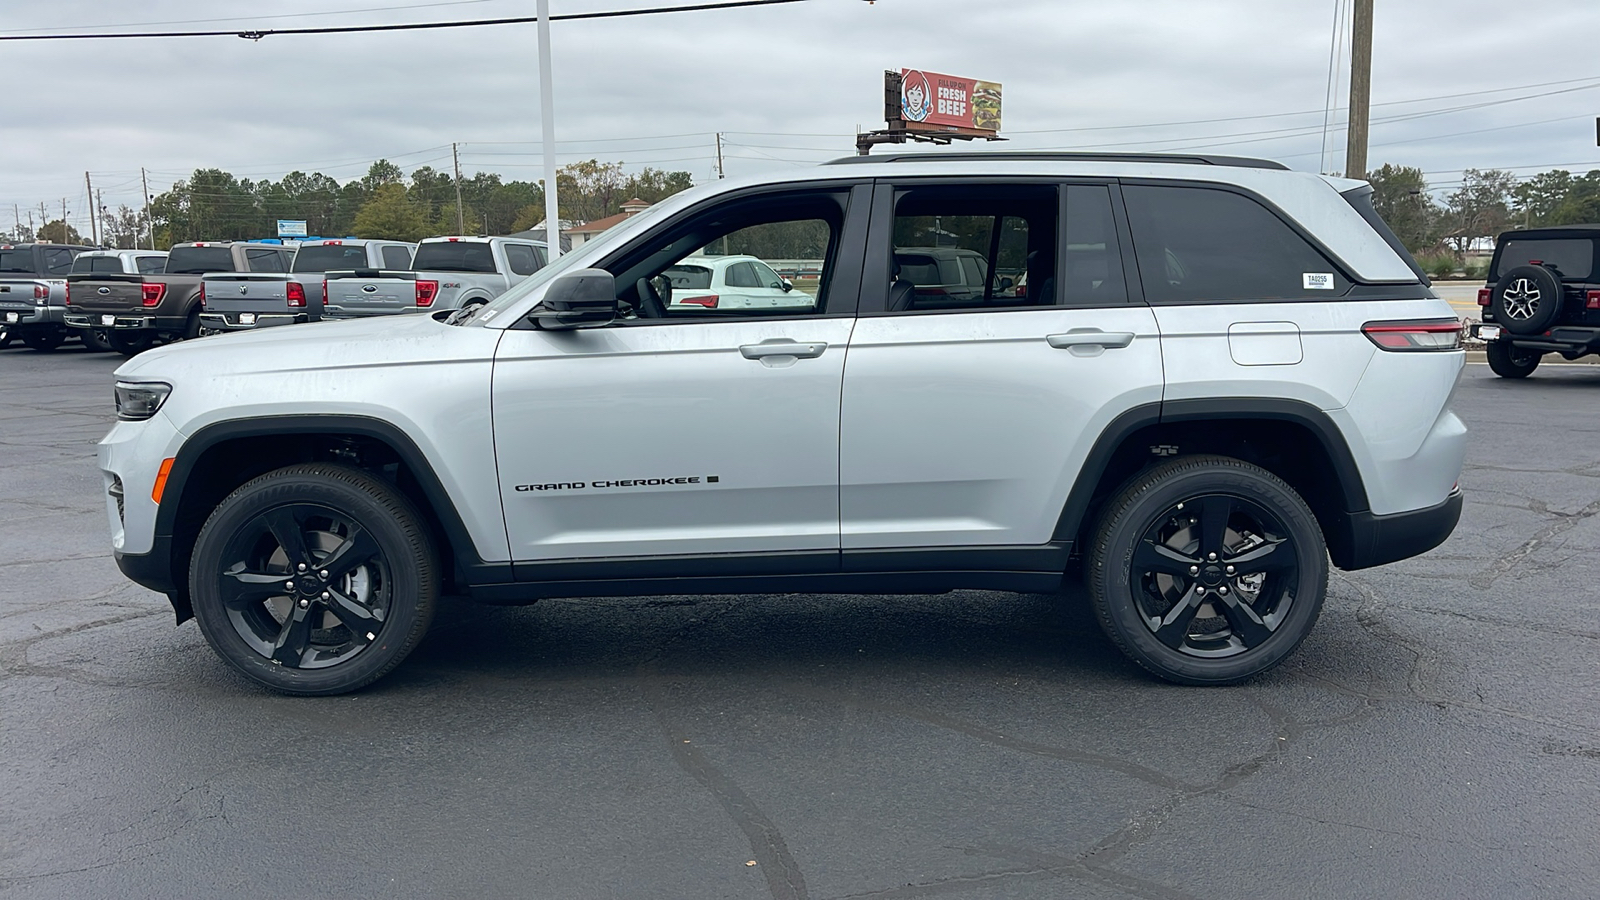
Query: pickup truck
115	262
447	273
138	310
33	292
240	301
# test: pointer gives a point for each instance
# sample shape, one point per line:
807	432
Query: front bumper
1369	540
1565	339
231	321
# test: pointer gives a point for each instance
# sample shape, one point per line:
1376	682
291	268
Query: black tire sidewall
128	345
372	504
1550	300
43	339
1135	509
1502	361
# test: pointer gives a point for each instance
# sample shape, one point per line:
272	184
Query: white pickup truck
240	301
447	273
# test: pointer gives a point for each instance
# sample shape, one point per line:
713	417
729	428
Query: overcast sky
787	84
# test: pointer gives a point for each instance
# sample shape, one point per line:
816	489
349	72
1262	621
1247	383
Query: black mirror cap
585	298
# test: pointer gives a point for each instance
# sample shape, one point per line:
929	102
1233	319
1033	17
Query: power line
299	15
256	35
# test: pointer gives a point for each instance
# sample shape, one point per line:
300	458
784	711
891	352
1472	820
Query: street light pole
547	117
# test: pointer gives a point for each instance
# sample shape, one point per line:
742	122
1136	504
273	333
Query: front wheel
1508	361
1207	570
314	579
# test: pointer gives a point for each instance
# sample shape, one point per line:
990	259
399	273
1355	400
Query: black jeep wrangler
1543	296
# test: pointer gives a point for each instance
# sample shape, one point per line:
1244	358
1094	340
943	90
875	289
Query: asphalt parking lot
1438	735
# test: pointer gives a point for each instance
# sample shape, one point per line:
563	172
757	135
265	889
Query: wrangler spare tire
1527	300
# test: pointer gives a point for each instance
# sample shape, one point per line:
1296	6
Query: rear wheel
314	579
5	336
1207	570
1508	361
95	339
44	339
128	343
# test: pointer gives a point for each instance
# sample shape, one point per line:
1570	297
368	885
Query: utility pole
719	156
64	219
94	233
461	223
16	216
149	226
547	117
1355	155
100	213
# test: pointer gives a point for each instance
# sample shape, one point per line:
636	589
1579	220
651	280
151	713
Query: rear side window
58	260
1572	257
454	256
1198	244
328	257
151	265
520	258
396	257
742	275
199	260
264	260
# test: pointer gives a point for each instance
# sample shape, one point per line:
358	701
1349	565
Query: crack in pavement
1486	578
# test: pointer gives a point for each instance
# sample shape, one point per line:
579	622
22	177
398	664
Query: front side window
673	276
1197	244
949	240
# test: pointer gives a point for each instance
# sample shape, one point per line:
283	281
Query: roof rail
1242	162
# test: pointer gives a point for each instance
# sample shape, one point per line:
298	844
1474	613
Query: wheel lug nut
1200	590
326	595
1194	570
1229	570
1211	556
301	567
1180	506
304	603
323	574
1222	590
288	585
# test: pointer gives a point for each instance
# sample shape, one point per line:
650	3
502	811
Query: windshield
328	257
16	262
199	260
454	256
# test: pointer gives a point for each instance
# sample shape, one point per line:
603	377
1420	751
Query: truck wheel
314	579
95	339
1526	300
5	336
44	339
191	326
1511	362
128	344
1207	570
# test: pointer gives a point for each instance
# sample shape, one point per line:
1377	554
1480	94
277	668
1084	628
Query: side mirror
787	285
586	298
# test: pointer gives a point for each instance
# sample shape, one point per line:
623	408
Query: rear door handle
1090	337
783	347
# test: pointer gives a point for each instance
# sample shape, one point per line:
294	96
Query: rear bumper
230	321
31	315
1560	339
1373	540
122	321
341	312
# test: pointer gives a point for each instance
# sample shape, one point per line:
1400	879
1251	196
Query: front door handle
1090	337
782	347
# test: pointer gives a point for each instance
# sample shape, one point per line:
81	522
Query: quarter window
1201	244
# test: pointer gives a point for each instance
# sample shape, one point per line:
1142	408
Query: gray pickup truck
137	310
447	273
240	301
33	293
112	262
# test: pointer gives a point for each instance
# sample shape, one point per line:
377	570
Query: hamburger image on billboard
947	102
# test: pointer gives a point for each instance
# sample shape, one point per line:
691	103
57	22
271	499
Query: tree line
212	204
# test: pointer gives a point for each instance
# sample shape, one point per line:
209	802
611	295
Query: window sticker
1317	281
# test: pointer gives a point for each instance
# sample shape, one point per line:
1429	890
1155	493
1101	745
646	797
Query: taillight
709	301
1426	334
1484	295
151	294
41	292
426	291
202	296
324	293
68	289
1592	300
297	294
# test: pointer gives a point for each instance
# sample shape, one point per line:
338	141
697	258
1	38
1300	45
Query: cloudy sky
1456	84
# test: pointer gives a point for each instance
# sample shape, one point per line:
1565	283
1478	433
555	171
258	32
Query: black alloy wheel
314	579
1509	361
95	339
1208	570
1526	300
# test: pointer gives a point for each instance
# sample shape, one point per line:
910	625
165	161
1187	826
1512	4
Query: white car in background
731	282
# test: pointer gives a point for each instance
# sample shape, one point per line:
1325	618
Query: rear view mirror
586	298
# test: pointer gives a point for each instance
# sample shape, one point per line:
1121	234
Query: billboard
931	102
291	228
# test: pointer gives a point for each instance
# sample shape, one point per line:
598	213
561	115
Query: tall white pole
547	115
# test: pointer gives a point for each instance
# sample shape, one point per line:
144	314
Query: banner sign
291	228
933	102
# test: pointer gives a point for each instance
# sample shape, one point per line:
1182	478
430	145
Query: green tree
58	232
1400	195
391	215
1480	208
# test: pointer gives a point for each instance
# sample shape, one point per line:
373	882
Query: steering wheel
651	304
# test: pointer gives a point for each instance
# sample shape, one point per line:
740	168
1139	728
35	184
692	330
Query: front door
678	431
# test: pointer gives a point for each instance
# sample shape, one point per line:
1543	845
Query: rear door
964	424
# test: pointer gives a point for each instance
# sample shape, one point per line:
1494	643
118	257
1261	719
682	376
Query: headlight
139	400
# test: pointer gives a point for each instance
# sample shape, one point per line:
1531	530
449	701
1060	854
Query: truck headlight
138	400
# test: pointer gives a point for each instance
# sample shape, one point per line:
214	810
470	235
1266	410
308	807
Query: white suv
1221	375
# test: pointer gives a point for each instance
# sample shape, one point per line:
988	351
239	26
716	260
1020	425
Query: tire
95	339
1527	300
381	590
191	327
1511	362
44	339
1186	617
5	336
128	344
